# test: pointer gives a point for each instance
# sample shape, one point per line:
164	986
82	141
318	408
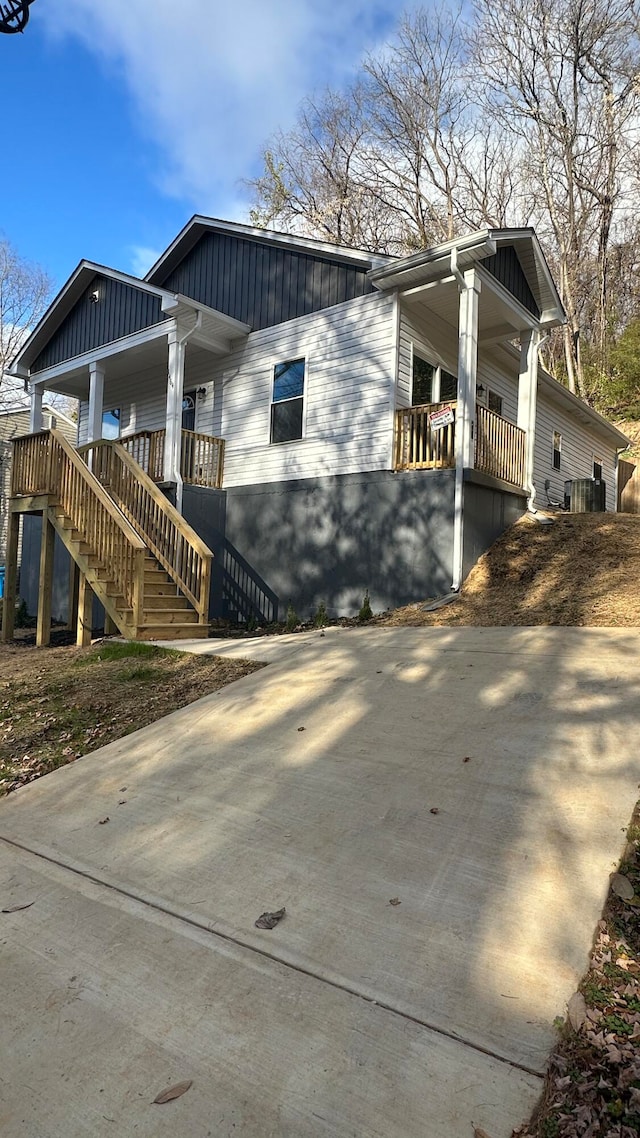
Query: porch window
287	404
111	423
557	449
431	383
495	403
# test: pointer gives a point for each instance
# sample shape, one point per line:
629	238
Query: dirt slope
584	569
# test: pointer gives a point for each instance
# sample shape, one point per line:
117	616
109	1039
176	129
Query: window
423	375
557	449
597	468
286	408
431	383
495	403
111	424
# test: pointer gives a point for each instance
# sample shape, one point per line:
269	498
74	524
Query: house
14	422
270	399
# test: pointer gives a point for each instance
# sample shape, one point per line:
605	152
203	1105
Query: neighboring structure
282	392
14	422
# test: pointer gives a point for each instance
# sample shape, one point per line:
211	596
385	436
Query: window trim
597	461
272	402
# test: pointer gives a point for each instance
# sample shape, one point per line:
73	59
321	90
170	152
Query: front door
189	411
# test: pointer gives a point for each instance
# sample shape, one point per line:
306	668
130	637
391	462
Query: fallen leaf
467	759
395	901
122	789
18	908
103	821
172	1093
302	729
577	1010
122	802
480	1133
434	810
270	920
622	887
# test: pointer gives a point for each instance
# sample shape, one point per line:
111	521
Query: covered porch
421	443
150	389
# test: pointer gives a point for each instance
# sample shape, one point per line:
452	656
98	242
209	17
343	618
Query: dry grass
584	569
57	704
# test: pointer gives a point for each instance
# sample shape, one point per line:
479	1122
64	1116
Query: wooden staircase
134	551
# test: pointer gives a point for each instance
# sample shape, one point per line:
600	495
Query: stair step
157	602
164	588
170	616
148	631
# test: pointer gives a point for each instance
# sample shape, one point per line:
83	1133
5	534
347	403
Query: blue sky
125	117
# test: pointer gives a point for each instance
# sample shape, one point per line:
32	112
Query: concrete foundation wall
328	539
488	511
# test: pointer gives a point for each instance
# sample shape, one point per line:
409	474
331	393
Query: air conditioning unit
587	495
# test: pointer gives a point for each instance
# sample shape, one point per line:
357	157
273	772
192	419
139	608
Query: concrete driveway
479	777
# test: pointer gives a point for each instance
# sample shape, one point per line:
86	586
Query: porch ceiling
498	319
130	363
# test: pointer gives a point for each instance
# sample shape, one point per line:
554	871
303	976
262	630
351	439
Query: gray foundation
327	540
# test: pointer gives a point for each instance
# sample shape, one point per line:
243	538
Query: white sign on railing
442	418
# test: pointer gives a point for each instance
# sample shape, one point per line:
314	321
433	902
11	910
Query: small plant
366	612
252	622
320	619
292	620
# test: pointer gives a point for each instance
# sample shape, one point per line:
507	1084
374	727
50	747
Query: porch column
527	401
96	401
470	287
467	368
35	413
175	391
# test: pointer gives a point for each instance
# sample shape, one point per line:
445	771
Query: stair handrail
52	466
174	543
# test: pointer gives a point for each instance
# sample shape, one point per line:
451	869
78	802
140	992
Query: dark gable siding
506	268
120	310
262	284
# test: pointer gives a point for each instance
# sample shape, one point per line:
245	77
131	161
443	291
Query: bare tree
561	78
25	290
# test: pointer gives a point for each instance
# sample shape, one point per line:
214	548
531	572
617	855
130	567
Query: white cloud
141	258
211	80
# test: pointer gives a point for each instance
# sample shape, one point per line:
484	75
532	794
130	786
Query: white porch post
465	416
175	391
527	403
96	401
467	368
35	413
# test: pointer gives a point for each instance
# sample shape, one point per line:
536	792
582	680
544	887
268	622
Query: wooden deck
201	456
419	444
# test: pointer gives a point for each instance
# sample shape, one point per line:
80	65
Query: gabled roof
74	289
429	264
199	225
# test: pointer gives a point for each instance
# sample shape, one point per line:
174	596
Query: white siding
348	396
580	443
500	375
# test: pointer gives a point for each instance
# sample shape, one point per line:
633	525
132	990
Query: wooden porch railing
201	456
417	445
499	447
170	538
46	464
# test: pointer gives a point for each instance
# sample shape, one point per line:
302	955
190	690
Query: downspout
530	486
178	473
459	476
